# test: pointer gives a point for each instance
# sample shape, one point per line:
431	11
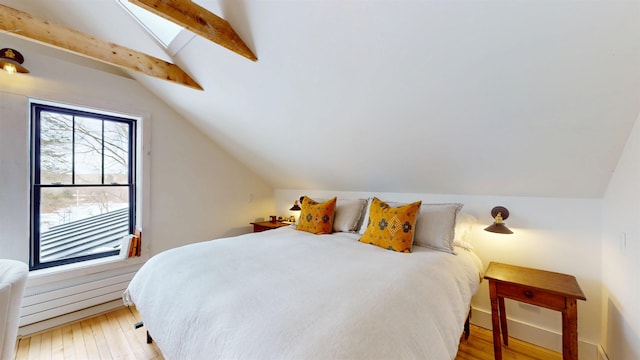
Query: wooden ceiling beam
24	25
200	21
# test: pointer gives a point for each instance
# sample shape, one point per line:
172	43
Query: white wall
620	263
198	192
556	234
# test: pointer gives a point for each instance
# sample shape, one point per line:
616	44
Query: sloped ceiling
525	98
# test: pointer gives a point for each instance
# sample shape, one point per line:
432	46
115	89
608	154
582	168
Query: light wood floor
108	336
112	336
479	346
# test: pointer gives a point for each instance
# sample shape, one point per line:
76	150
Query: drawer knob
528	294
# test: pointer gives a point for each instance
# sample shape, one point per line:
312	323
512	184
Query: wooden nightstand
267	225
537	287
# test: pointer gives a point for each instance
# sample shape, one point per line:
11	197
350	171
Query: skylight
164	31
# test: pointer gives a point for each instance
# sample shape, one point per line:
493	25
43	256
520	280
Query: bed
291	294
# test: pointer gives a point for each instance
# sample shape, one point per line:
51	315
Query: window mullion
73	150
102	153
35	192
36	147
132	146
131	177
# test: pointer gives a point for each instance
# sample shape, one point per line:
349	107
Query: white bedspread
286	294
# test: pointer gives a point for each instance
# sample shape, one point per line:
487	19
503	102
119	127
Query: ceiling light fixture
11	60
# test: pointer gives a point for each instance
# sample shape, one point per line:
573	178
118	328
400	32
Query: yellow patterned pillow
316	217
391	227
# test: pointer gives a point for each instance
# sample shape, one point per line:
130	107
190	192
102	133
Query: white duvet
287	294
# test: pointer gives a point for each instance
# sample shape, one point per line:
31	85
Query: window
171	36
82	184
163	30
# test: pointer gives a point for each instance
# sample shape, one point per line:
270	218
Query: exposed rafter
200	21
22	24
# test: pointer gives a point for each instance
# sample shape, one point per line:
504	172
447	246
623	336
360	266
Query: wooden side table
536	287
267	225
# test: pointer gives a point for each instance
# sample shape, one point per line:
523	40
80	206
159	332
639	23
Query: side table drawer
267	225
260	228
531	296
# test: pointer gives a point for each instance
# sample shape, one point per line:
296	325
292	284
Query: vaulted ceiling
500	97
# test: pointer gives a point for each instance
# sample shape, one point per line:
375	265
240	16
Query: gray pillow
435	226
348	215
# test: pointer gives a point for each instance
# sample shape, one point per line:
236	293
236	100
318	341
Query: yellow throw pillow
316	218
389	227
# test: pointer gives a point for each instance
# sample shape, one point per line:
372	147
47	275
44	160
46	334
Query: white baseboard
41	326
538	336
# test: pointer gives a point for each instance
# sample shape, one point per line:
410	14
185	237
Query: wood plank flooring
107	336
479	346
112	336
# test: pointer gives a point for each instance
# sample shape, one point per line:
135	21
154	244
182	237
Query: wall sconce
499	213
295	206
11	60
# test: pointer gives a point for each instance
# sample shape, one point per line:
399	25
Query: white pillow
464	222
348	215
435	226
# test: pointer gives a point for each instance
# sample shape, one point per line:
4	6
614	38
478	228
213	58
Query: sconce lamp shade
295	206
11	60
499	213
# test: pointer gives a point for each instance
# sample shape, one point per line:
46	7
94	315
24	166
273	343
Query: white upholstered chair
13	278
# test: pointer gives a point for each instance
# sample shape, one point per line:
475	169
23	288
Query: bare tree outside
59	155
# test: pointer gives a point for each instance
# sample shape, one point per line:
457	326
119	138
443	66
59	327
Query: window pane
116	152
88	151
77	221
56	135
163	30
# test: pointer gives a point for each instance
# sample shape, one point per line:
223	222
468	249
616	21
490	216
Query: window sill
63	272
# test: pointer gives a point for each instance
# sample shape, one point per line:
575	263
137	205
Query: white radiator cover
59	293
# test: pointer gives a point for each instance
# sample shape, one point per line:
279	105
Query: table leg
503	321
570	331
495	321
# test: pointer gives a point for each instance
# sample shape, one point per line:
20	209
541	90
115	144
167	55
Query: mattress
288	294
